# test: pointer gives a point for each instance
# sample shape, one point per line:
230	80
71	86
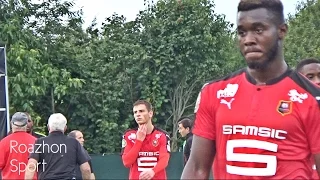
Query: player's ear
282	31
150	113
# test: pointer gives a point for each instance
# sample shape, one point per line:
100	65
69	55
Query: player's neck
274	70
150	128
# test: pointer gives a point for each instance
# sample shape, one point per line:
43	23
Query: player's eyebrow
141	110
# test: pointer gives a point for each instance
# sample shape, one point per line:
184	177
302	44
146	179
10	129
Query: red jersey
14	154
152	153
261	132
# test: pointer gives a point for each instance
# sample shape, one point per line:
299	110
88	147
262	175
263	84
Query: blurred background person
184	128
30	129
15	148
311	69
57	155
78	135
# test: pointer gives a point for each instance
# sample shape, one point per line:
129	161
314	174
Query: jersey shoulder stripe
130	130
162	131
307	85
226	78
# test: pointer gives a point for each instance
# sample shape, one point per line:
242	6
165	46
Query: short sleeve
35	154
165	144
127	142
312	128
204	124
82	155
2	155
90	164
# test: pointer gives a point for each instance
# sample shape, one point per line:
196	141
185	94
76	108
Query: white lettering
12	147
254	131
50	148
20	167
269	160
149	153
37	148
146	163
20	148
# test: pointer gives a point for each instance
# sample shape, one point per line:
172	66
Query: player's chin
140	122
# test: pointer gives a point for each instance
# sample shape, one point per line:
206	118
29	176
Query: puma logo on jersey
223	101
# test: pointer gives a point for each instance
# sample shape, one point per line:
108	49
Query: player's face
257	37
183	131
312	72
29	125
141	114
79	137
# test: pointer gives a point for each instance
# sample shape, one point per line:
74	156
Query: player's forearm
191	172
86	175
162	163
28	175
85	171
130	157
93	177
30	170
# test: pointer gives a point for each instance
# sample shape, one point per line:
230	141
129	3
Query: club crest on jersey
284	107
155	142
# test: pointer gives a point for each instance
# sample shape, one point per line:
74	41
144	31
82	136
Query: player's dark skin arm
317	160
201	159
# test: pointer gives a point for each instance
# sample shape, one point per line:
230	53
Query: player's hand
146	175
142	132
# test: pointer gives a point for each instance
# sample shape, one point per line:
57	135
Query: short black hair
275	7
186	122
306	61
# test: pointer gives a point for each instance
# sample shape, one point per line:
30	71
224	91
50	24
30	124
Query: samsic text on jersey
261	132
156	145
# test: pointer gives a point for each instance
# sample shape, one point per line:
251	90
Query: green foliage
184	41
303	37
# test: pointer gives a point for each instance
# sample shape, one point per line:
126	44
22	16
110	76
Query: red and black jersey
152	153
261	131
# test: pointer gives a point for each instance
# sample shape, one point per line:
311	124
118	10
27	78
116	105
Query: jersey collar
272	81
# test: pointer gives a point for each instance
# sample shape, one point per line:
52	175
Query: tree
184	42
32	71
302	40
